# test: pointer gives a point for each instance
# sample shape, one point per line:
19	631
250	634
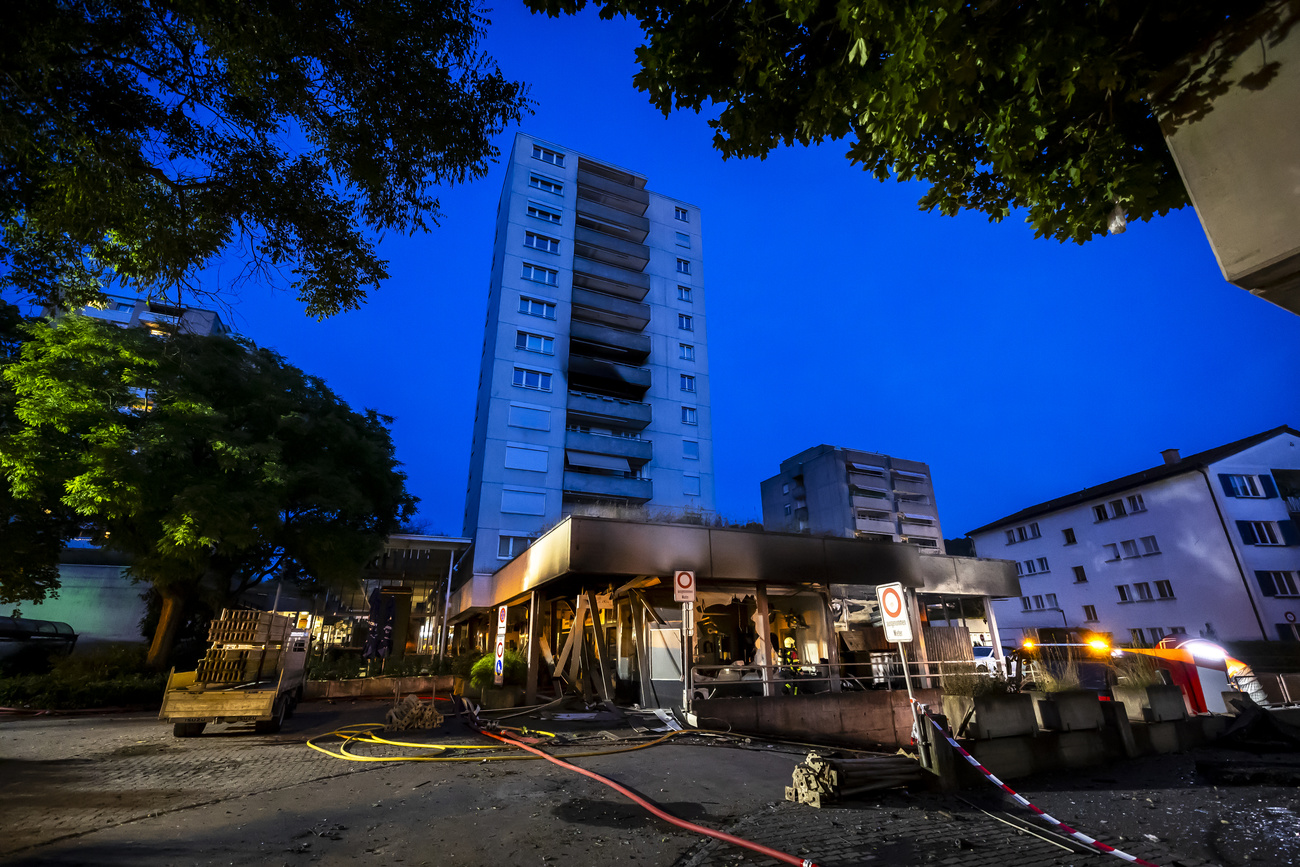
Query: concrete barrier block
1070	711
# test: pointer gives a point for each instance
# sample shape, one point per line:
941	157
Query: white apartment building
594	385
1204	545
827	490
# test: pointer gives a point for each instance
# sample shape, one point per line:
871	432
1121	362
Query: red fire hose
667	817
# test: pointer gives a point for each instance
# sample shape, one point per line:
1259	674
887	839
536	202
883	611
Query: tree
33	531
212	463
1044	105
144	141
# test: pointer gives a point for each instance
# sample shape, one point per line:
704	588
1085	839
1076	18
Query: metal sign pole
907	676
688	629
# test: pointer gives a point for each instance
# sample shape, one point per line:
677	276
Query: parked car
986	662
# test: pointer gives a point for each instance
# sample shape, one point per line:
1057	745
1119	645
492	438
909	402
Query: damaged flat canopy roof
580	546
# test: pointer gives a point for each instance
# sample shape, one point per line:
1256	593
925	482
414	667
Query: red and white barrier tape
1078	835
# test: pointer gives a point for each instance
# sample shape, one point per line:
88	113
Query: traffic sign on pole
499	669
893	611
683	586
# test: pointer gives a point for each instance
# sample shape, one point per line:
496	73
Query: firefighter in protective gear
789	665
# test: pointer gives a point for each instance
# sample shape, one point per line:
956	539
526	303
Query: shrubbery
482	674
112	676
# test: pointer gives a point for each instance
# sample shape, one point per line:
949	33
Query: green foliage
142	142
482	673
33	531
463	665
336	665
997	105
113	676
213	463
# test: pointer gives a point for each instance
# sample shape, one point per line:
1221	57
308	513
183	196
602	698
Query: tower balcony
602	309
600	374
611	221
601	487
586	338
611	193
600	247
599	409
610	279
634	450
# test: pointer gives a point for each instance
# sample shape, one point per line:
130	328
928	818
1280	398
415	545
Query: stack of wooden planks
820	780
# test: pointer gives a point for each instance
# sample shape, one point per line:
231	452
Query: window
1042	565
1135	638
684	293
1030	568
1288	631
1143	591
542	212
1135	503
1080	577
509	547
1237	485
545	184
525	378
531	417
1149	545
691	486
1011	537
1112	551
533	307
534	342
1024	603
785	489
1021	534
683	240
1020	568
1277	583
686	352
1177	630
1038	602
688	382
1051	601
540	274
681	214
1117	509
1090	613
541	153
1130	548
789	510
1033	531
1069	536
523	501
685	323
1100	513
689	415
1125	592
525	457
1164	590
1258	533
1156	634
683	266
541	242
690	450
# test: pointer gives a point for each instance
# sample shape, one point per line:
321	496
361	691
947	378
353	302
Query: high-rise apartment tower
594	387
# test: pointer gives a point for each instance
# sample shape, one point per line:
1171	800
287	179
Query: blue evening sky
1018	368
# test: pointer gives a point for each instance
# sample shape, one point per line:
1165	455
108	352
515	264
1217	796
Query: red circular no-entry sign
891	600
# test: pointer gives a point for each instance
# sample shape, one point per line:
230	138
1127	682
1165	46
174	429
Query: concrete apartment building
159	317
827	490
594	386
1203	545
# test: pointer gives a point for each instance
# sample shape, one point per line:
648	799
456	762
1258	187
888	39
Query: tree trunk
164	637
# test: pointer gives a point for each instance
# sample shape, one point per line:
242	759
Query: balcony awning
596	462
868	468
918	477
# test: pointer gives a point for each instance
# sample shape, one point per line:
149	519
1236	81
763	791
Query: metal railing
883	673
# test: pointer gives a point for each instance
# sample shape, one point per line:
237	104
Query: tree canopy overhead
214	464
997	104
140	141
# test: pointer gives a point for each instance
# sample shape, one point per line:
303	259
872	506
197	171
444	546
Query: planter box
368	686
1160	703
1072	711
996	716
500	697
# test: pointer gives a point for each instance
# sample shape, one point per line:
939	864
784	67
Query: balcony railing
597	307
610	279
605	444
601	409
611	193
625	344
608	487
606	372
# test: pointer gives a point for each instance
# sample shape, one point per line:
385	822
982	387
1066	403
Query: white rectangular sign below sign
683	586
893	611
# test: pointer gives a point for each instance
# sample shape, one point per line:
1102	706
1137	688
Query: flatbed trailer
231	692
